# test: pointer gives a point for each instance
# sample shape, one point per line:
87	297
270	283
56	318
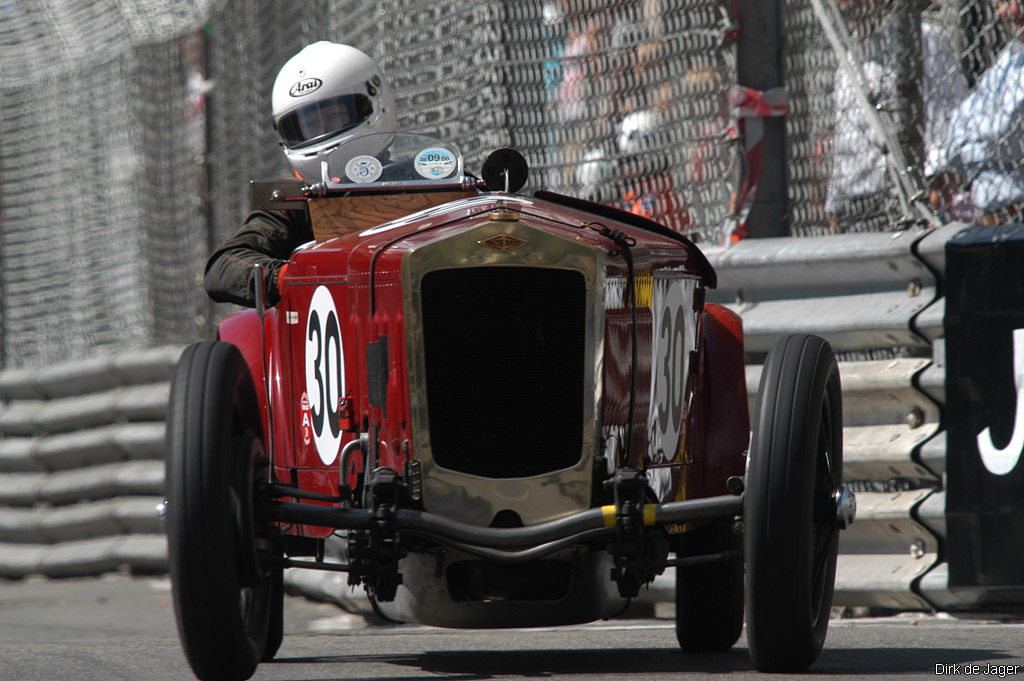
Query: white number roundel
673	339
325	373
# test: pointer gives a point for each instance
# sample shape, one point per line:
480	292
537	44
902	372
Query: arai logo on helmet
305	86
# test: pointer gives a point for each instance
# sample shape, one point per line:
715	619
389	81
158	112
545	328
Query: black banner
985	410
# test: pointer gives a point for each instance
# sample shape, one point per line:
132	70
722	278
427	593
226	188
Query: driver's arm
267	238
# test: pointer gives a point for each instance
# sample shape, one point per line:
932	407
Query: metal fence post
909	105
759	66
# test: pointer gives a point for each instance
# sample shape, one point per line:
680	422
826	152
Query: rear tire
223	599
791	537
709	598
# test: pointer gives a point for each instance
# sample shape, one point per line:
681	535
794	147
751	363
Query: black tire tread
709	598
798	374
210	382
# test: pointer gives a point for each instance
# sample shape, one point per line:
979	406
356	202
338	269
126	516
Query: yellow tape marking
650	514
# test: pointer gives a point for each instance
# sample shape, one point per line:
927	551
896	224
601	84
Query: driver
324	95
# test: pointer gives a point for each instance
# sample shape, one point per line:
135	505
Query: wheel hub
846	507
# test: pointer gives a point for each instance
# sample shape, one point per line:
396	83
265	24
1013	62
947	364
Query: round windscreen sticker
325	374
434	163
363	169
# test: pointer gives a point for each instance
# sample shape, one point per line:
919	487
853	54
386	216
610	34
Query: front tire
791	538
223	599
275	625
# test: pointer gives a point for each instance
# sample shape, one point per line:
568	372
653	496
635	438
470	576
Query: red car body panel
708	447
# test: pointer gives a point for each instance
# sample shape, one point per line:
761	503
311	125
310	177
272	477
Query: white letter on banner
1002	461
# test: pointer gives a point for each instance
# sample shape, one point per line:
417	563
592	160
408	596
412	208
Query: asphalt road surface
119	627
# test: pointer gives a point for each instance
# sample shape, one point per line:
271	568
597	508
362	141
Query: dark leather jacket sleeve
267	238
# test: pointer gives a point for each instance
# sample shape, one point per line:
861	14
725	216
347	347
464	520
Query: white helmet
325	95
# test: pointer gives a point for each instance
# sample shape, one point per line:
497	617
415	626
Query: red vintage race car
516	410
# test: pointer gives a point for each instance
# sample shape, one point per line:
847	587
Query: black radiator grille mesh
504	353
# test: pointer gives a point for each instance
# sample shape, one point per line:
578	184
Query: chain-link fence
129	131
904	111
623	102
97	172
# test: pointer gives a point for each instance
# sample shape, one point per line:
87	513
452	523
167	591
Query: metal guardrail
81	465
81	444
870	296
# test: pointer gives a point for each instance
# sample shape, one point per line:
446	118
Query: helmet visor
324	118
